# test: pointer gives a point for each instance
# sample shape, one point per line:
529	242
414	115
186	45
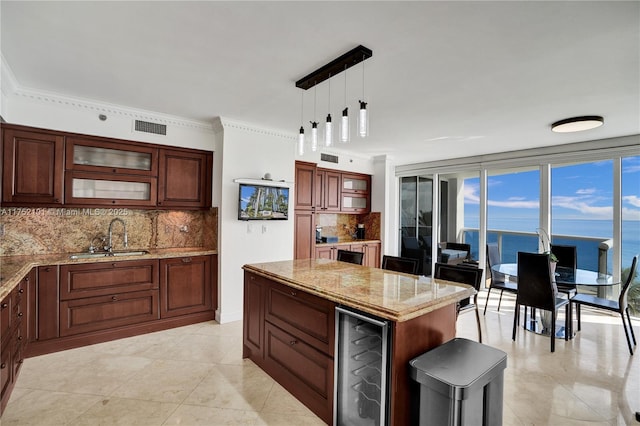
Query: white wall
250	153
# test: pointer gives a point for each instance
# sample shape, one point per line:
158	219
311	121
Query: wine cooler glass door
361	370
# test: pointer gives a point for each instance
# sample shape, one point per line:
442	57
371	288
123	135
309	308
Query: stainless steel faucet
124	225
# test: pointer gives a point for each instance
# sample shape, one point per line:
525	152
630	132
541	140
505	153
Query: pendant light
363	116
314	125
301	134
344	122
328	126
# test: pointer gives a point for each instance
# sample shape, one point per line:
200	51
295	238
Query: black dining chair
464	275
567	259
497	279
621	306
400	264
350	256
537	289
411	248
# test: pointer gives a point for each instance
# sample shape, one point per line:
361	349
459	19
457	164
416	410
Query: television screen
261	202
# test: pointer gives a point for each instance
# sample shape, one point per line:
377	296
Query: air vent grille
329	158
147	127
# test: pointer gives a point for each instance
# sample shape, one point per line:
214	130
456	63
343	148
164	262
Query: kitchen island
289	323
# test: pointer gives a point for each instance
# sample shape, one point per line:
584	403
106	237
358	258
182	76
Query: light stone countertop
387	294
14	268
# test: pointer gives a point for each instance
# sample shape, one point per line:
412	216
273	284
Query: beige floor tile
282	402
125	412
47	408
244	387
194	415
164	381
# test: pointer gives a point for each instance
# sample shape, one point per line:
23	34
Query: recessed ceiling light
577	124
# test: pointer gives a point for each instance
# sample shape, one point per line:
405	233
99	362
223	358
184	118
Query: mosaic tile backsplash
25	231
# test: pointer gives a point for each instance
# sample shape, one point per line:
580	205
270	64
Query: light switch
264	229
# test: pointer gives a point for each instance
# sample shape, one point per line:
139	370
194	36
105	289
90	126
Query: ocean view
562	228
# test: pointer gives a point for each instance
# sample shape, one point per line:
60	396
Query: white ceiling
447	79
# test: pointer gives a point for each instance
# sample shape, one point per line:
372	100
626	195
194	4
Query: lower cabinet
14	327
371	252
185	284
290	334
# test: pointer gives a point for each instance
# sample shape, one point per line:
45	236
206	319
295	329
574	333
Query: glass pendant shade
301	141
314	136
363	120
328	131
344	126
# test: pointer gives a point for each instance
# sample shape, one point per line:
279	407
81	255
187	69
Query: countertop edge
15	276
371	309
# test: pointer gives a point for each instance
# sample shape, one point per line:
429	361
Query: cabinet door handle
47	269
293	342
186	260
114	298
293	293
3	365
56	200
20	314
252	278
26	279
5	305
19	338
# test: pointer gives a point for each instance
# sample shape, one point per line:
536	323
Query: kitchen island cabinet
300	339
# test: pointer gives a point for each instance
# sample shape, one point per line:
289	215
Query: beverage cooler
361	369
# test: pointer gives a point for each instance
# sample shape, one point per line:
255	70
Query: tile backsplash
28	231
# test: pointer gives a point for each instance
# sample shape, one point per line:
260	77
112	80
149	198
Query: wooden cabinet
46	168
46	305
370	249
32	167
99	296
14	326
371	253
185	286
305	179
183	180
327	189
355	193
291	335
304	230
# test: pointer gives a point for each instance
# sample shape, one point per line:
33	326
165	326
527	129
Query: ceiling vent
329	158
147	127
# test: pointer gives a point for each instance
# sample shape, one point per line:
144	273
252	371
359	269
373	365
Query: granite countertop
15	268
347	241
387	294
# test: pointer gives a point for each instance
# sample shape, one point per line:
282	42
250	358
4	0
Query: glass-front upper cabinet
103	156
355	183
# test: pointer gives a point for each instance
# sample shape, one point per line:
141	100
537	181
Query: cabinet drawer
101	279
301	369
306	316
104	312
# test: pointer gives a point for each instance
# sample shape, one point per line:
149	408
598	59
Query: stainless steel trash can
461	383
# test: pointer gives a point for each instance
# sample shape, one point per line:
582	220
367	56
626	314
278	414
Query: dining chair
497	279
537	289
400	264
465	275
411	248
621	306
567	258
350	256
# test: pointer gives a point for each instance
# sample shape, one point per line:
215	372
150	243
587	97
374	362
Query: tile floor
195	375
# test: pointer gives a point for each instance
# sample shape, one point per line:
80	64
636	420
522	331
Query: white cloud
634	200
586	191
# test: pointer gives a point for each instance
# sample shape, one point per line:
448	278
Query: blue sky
582	191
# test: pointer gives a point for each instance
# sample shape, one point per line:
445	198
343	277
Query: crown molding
232	124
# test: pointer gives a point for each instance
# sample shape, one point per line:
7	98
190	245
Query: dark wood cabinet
371	253
304	189
327	190
291	335
185	286
253	324
14	326
305	231
100	296
183	180
46	309
32	167
47	168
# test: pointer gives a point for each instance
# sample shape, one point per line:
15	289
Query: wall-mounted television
263	202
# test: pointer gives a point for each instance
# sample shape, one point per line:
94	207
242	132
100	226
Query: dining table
563	276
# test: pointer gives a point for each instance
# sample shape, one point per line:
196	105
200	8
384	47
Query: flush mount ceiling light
325	72
577	124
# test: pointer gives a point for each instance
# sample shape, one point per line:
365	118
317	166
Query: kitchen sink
86	255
